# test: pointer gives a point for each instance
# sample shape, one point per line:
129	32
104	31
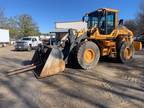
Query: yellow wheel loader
105	36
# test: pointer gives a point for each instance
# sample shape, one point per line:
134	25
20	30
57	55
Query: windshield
26	39
93	21
95	18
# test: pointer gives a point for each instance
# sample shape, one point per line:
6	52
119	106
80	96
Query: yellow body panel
110	10
137	45
120	31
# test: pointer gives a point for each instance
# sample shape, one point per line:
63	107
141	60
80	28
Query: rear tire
88	55
125	53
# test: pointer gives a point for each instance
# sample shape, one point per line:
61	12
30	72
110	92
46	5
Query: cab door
107	23
110	22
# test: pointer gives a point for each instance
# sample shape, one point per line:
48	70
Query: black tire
88	46
29	48
123	57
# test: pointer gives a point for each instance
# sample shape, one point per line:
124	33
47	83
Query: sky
46	12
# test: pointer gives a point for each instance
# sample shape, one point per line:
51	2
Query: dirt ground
109	85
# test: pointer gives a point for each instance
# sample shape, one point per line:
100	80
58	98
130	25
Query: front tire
88	55
29	48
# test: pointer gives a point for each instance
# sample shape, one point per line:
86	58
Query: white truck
4	37
27	43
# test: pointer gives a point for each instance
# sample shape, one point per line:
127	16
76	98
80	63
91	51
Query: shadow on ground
76	88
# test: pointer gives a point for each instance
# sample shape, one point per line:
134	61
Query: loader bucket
49	60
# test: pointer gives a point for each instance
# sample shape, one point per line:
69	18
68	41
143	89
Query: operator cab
105	19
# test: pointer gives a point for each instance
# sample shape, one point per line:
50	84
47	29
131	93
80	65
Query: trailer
4	37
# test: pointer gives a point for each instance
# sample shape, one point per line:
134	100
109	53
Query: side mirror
121	22
85	18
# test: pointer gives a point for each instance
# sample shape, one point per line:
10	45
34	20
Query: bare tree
27	26
3	19
132	25
137	25
140	18
13	27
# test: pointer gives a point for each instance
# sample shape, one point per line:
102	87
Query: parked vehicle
48	39
27	43
4	37
140	38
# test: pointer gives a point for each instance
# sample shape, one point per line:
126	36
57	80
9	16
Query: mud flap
51	62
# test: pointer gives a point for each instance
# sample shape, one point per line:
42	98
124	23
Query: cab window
110	22
93	21
102	25
34	39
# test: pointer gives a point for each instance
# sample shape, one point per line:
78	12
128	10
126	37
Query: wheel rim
89	55
127	53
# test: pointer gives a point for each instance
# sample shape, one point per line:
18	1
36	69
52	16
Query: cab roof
107	9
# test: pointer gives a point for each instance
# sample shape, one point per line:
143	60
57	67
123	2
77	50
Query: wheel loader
105	36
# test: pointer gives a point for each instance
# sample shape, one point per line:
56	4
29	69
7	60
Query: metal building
78	25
